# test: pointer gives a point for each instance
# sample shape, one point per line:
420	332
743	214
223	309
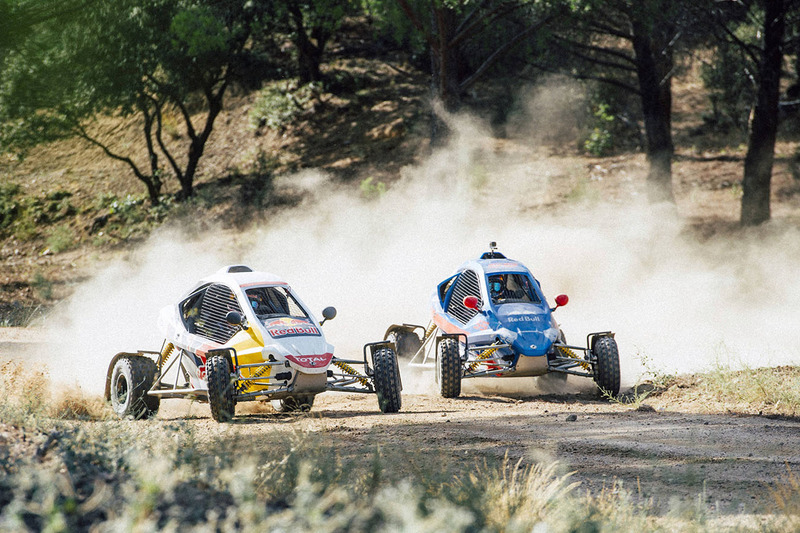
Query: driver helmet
496	285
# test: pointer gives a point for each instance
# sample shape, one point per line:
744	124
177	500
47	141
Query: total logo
311	361
291	327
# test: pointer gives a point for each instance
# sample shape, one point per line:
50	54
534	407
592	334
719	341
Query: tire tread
448	368
387	380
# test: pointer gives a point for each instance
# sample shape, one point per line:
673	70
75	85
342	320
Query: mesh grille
217	302
466	285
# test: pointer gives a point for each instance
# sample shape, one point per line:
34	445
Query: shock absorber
486	354
248	384
431	329
165	354
350	370
569	353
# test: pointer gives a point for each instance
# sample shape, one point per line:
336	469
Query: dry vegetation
68	466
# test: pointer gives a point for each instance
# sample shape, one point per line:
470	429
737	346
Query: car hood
528	327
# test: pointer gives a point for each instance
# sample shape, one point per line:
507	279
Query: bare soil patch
659	453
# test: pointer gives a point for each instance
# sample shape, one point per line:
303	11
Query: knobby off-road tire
606	369
220	388
301	402
407	343
386	374
448	368
131	378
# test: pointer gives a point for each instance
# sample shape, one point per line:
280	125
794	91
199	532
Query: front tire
606	368
386	374
448	368
131	378
291	404
220	388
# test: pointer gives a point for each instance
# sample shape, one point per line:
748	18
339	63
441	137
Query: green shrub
372	188
281	103
42	286
61	238
601	139
9	205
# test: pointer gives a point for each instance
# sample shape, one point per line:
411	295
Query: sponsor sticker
524	318
291	327
312	361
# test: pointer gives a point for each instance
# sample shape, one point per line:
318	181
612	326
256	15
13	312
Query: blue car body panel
528	327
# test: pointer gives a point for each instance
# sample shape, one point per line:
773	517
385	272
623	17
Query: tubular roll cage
425	357
342	380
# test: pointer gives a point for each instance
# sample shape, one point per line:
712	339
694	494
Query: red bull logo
291	327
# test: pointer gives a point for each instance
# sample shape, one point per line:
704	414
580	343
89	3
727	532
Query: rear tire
291	404
606	368
386	374
448	368
131	378
220	388
406	342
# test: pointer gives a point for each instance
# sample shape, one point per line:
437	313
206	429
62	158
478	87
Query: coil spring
431	329
350	370
247	385
486	354
569	353
166	353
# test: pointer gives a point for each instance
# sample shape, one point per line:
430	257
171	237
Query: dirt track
665	452
657	453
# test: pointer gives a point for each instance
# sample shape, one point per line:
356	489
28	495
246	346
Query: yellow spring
350	370
247	385
431	329
166	353
569	353
486	354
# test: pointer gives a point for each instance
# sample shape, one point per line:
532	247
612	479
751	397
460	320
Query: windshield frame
268	298
518	281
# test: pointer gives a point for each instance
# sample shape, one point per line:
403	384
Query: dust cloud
676	305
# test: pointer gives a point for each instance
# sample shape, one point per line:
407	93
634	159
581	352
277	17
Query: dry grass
111	475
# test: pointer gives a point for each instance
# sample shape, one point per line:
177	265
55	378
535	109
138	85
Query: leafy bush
61	238
281	103
42	286
601	139
9	205
372	188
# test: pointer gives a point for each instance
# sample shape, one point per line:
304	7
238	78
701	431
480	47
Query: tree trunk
444	70
197	147
309	56
653	69
154	182
763	132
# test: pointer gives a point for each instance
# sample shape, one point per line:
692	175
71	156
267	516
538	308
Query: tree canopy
66	64
129	57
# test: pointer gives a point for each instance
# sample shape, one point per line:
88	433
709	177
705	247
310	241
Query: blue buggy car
491	319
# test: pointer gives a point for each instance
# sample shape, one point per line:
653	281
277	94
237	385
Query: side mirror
471	302
561	300
234	318
329	313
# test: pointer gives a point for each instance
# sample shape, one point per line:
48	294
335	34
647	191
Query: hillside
76	207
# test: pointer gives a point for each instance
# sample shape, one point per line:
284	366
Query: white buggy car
241	335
